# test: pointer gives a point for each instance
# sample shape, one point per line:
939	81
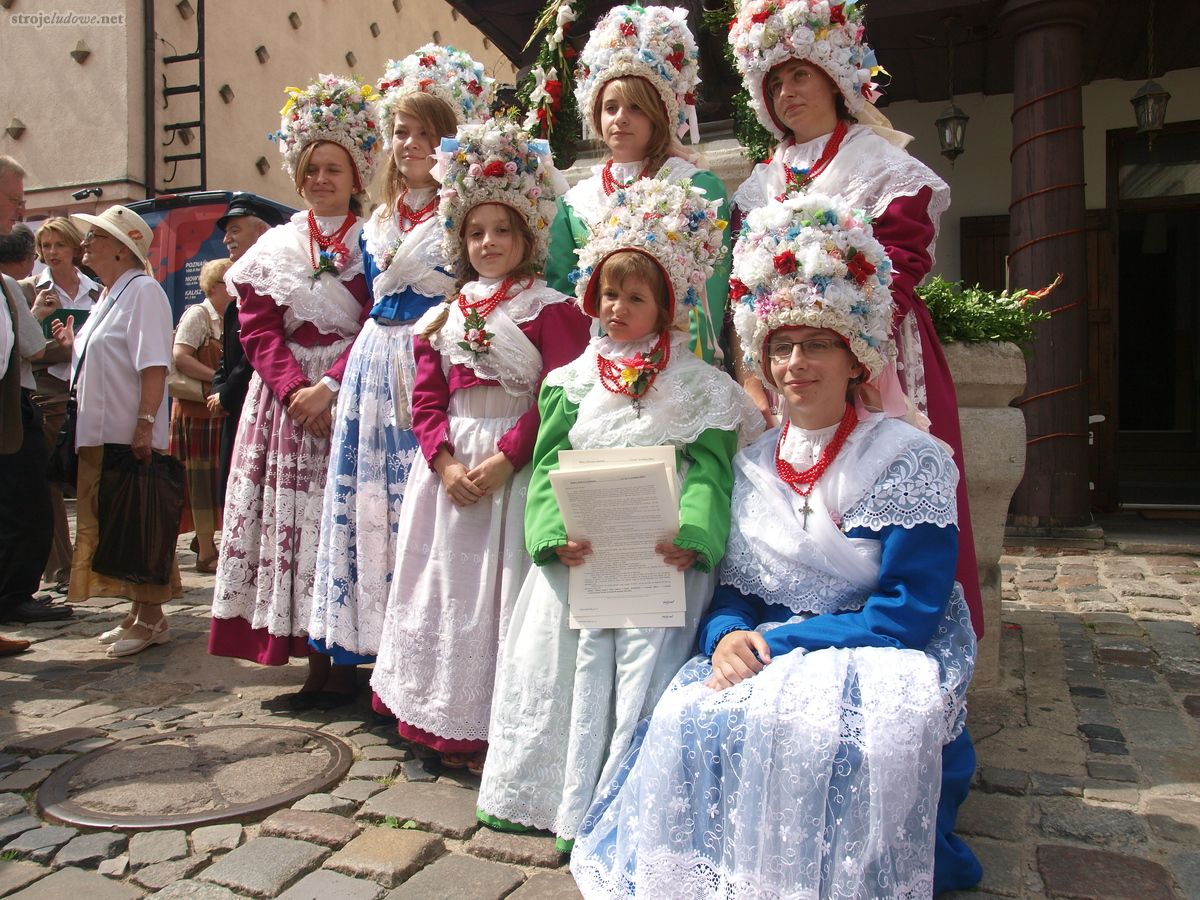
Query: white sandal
114	634
129	646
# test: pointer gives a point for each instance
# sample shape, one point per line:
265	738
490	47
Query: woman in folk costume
303	298
425	97
567	701
808	71
480	359
635	87
817	747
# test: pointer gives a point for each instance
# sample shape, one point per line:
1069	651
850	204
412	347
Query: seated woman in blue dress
817	748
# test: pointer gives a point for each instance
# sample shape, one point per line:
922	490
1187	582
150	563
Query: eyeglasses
815	348
92	235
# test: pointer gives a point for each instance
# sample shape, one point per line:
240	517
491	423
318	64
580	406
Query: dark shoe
35	610
328	700
302	700
11	647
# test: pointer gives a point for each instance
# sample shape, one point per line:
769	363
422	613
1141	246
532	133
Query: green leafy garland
974	315
546	95
757	141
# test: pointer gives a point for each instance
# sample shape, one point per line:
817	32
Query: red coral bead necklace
803	481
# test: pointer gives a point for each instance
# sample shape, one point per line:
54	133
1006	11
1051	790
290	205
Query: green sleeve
567	234
544	528
717	286
704	500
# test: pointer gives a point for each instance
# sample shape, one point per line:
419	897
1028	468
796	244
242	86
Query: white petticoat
457	572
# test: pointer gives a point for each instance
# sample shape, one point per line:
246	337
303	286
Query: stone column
1046	228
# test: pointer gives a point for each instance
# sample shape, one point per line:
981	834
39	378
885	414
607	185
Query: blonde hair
212	273
637	91
435	116
526	267
65	229
634	264
359	196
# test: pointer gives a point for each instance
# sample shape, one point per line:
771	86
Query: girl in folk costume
303	298
567	702
810	85
635	89
425	97
817	747
480	360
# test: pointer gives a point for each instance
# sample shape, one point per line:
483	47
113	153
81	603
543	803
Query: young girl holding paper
567	701
480	359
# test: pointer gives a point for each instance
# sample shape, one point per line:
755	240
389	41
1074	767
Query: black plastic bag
139	508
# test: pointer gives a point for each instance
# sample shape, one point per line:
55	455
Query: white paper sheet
623	509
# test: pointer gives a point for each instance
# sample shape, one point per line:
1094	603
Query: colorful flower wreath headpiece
496	162
672	223
653	43
444	72
826	33
812	260
331	108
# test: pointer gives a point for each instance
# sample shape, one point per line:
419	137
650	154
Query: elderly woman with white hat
119	364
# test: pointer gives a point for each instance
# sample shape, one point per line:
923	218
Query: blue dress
838	770
373	446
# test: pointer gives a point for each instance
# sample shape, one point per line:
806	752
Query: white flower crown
653	43
449	74
331	108
812	260
496	162
673	223
767	33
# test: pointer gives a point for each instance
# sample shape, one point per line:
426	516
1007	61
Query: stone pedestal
987	377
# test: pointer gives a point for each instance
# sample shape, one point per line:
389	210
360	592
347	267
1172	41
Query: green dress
569	232
567	701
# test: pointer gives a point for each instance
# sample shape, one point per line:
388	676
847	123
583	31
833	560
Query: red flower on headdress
689	99
494	169
737	290
427	61
628	29
860	268
675	58
474	88
762	15
785	262
836	15
327	101
423	84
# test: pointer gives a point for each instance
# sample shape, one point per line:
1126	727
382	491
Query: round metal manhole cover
195	777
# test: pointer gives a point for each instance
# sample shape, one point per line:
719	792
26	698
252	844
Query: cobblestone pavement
1088	783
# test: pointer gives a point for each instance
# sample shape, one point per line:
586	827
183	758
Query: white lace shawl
688	397
868	172
888	473
587	198
279	266
512	361
416	263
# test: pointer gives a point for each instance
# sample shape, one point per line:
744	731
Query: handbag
138	508
63	465
185	387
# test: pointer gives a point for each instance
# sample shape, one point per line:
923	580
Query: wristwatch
146	417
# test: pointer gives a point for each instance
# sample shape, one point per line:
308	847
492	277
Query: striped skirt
196	442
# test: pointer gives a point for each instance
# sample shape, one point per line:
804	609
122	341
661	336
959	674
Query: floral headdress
812	260
332	108
826	33
672	223
496	162
653	43
446	73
